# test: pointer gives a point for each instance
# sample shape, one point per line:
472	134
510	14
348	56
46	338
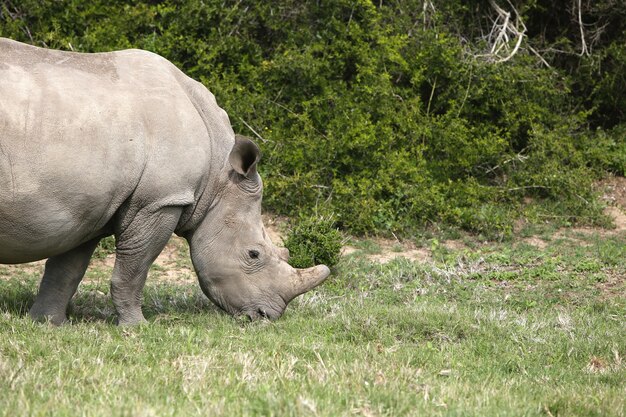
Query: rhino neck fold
206	199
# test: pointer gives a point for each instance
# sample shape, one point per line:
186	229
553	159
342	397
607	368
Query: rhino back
83	134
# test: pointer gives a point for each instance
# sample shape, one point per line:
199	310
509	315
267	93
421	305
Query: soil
614	191
391	249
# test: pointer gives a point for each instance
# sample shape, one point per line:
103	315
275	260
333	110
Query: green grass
499	330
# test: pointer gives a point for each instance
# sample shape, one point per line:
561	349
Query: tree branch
507	27
584	50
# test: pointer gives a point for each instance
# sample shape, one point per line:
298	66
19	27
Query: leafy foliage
105	247
313	241
382	113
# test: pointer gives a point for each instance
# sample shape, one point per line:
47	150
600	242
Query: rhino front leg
137	246
60	280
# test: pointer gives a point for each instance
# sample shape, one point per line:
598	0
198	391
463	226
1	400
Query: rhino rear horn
244	156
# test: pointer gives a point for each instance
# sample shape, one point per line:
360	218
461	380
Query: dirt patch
173	264
32	268
385	250
454	245
275	227
107	262
536	242
618	216
614	190
421	254
614	193
613	287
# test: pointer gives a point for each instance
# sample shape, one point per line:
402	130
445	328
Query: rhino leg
137	246
60	280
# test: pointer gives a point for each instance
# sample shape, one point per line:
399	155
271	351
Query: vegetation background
392	115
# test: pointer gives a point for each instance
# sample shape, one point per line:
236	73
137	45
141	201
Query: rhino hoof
54	319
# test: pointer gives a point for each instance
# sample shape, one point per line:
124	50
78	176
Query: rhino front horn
306	279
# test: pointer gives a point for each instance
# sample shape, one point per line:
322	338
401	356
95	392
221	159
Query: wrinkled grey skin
124	143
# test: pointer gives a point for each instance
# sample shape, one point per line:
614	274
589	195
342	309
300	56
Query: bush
313	241
105	247
381	109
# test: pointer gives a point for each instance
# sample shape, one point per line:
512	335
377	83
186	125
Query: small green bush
314	240
105	247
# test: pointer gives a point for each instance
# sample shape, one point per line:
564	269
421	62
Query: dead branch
584	50
428	9
520	157
534	51
253	131
504	30
16	14
507	35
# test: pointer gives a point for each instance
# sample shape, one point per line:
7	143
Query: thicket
392	115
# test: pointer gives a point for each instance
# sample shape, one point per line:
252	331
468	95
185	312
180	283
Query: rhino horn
304	280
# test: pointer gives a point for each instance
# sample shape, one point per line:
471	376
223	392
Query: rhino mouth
262	313
256	311
266	308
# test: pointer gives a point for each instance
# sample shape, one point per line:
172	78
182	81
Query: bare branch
26	30
520	157
507	35
517	30
584	50
253	131
425	10
432	93
534	51
17	15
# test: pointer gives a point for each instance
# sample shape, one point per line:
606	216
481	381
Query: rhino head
238	266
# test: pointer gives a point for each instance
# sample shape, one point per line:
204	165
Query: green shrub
382	109
313	241
105	247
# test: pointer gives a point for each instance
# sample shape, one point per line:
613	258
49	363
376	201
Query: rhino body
123	143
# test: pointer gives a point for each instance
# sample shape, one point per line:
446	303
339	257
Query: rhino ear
244	156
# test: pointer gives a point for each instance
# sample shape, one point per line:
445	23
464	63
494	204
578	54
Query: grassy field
533	327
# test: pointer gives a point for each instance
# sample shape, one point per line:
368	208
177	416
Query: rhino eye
254	254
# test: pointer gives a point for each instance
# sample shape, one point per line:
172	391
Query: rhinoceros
123	143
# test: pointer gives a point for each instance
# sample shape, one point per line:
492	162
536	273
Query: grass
502	329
